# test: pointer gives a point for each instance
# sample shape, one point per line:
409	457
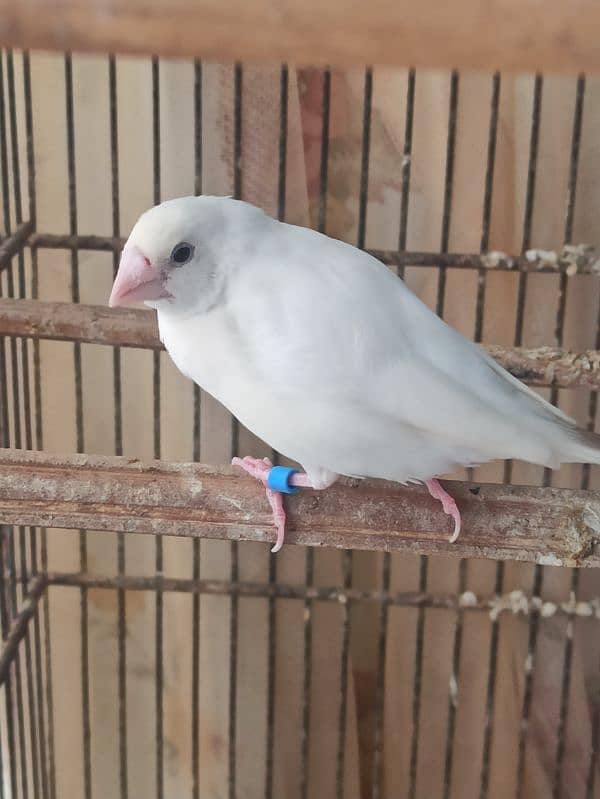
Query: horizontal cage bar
516	602
571	260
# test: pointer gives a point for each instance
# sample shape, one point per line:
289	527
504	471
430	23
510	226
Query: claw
448	505
259	469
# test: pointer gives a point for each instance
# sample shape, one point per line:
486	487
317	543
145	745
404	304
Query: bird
325	354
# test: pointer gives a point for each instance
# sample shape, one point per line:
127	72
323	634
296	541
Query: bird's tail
581	446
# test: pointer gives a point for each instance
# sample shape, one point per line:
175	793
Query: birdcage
152	646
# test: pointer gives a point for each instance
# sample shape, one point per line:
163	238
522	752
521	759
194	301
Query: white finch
322	352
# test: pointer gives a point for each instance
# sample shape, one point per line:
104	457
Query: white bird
322	352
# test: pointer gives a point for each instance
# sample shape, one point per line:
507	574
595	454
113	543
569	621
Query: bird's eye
182	253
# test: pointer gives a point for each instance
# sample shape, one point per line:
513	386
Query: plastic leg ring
279	477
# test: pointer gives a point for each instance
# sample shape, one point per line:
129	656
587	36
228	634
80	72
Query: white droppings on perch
544	258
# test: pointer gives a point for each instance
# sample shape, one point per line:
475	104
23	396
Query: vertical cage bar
271	629
27	97
14	361
47	734
364	166
17	666
449	179
283	125
594	753
347	557
2	787
378	746
11	606
118	421
564	694
36	412
457	648
491	684
309	575
416	703
197	191
238	79
270	711
406	162
569	215
538	572
532	165
233	636
116	231
234	573
198	127
196	675
159	675
574	159
324	167
4	530
307	679
16	167
453	687
489	181
585	484
343	712
441	291
48	669
158	563
72	187
196	457
4	623
595	713
479	314
528	692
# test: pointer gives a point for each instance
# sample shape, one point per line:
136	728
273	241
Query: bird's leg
260	469
448	505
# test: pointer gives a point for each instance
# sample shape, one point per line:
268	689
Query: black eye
182	253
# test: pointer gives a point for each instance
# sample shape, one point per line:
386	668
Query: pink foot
259	469
448	505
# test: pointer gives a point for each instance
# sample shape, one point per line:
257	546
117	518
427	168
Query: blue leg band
279	477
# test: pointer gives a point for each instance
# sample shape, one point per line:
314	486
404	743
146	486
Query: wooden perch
97	324
483	34
64	321
543	525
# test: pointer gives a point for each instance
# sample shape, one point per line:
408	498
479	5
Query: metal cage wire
29	716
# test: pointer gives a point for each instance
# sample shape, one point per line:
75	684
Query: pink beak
136	280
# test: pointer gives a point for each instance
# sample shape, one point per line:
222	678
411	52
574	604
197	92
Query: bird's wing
322	318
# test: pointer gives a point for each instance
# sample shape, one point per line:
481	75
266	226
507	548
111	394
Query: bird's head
176	257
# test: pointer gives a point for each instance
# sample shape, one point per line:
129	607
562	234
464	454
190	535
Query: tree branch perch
97	324
542	525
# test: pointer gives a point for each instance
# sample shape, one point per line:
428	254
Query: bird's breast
209	352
